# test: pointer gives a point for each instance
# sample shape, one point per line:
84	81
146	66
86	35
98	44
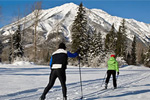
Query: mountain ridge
63	17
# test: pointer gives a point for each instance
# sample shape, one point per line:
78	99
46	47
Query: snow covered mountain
61	18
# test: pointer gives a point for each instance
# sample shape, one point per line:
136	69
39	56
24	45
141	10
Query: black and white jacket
59	59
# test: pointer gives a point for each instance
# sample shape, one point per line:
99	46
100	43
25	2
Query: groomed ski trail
132	83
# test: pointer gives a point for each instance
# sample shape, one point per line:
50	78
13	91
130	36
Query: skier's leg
62	78
114	79
107	79
52	79
108	76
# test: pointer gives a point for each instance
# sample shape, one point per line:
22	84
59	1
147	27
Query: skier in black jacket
58	64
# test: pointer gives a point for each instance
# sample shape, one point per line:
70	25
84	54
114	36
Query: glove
117	73
78	51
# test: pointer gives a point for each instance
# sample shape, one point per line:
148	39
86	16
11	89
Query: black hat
62	46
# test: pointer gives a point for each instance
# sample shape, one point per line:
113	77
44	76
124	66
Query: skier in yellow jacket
112	69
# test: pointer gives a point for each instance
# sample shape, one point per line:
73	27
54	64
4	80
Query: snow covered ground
25	81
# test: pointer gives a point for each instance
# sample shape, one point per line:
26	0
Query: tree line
90	42
116	42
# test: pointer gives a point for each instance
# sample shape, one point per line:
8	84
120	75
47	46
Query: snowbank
130	67
20	63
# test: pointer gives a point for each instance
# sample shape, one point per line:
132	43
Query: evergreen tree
147	58
107	42
133	51
118	43
98	48
79	32
97	43
110	41
91	46
121	43
11	50
1	48
96	53
129	59
16	48
48	56
124	39
142	58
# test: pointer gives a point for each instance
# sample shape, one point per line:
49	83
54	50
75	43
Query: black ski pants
113	73
61	74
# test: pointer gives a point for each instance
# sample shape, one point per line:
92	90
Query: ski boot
42	98
64	98
115	87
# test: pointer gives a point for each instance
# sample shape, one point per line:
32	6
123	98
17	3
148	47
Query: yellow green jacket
113	64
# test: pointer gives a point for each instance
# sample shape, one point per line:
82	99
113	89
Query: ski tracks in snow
128	83
126	86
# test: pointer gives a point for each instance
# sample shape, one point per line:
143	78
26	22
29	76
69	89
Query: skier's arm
117	67
72	55
50	64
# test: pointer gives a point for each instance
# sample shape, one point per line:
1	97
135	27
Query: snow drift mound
133	67
22	63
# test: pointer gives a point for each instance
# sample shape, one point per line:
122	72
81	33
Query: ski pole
117	77
80	79
103	79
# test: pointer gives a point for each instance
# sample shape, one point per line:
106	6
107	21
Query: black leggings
113	73
61	74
